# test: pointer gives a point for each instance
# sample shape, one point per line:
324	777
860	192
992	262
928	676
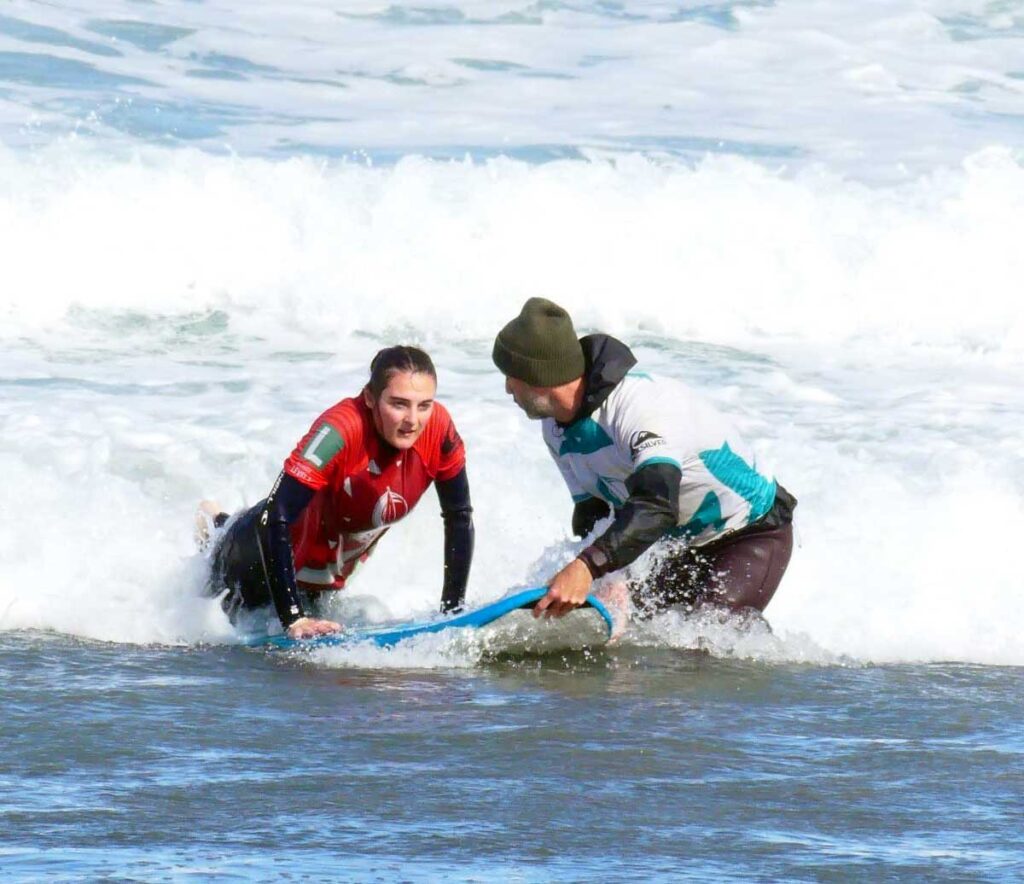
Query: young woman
363	465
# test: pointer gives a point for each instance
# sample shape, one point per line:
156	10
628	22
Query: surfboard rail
389	636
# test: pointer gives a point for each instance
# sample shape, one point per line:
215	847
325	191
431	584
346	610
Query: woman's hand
310	627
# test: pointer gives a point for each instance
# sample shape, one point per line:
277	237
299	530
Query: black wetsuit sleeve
288	498
651	509
586	514
458	539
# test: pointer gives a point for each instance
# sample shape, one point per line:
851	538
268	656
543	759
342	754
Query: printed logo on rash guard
641	440
451	439
326	443
391	507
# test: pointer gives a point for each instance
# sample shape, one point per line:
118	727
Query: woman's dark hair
392	360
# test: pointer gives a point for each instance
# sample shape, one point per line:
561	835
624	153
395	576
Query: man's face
537	402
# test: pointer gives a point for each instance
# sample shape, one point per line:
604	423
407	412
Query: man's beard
536	407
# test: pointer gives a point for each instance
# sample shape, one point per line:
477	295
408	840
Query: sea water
212	215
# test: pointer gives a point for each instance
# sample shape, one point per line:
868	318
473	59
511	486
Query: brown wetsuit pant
738	571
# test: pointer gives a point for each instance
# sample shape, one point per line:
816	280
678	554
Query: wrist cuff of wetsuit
596	560
294	616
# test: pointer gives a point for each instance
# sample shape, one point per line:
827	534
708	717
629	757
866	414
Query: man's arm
651	509
587	513
288	498
459	535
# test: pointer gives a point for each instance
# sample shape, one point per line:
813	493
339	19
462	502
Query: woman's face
403	408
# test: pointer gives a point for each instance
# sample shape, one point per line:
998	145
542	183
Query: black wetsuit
253	559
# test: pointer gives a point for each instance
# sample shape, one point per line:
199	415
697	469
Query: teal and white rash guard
632	422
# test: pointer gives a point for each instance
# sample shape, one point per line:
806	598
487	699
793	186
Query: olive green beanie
539	346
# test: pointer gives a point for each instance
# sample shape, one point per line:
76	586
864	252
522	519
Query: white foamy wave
726	252
173	324
899	569
86	554
729	636
432	651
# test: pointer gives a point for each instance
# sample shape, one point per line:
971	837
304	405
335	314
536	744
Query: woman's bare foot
209	515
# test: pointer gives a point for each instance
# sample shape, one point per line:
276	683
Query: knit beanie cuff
539	372
539	346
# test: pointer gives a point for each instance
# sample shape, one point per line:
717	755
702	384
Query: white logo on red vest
391	507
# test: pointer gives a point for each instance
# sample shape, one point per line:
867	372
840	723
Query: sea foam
174	322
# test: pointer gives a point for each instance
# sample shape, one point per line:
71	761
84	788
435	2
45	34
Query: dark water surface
162	764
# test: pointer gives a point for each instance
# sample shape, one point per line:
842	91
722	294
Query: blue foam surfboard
388	636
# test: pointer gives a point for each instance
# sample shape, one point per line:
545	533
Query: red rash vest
363	486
